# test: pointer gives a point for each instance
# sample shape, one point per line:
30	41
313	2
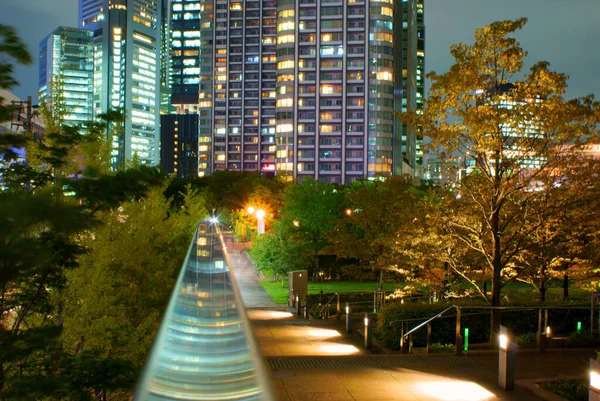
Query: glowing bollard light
348	318
368	332
466	339
506	361
297	305
594	394
578	327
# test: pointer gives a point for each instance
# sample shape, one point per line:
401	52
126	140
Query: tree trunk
380	279
566	287
542	287
496	279
23	312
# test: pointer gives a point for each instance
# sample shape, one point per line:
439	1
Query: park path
246	276
314	360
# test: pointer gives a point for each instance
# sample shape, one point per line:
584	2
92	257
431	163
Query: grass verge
280	294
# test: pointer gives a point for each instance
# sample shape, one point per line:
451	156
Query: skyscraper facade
420	78
66	59
307	88
185	45
179	144
128	51
237	85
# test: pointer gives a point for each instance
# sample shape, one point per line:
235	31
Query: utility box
298	286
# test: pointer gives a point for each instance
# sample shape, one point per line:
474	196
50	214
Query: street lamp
260	218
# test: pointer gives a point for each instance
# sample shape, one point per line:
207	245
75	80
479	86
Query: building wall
127	59
185	45
179	144
237	86
66	54
307	88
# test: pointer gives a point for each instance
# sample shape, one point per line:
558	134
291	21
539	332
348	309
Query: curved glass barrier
205	349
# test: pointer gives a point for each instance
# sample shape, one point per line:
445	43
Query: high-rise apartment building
307	88
237	85
66	59
128	53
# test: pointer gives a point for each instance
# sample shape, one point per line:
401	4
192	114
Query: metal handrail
429	320
328	302
205	348
505	308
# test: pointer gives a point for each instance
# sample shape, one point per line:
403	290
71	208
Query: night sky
564	32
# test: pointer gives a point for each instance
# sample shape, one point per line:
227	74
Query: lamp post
260	218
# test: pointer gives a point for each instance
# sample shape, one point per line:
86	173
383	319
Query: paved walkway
253	294
316	360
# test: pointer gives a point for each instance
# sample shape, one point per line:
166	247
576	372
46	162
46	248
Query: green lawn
280	294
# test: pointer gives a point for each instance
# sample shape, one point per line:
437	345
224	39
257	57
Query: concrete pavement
246	276
313	360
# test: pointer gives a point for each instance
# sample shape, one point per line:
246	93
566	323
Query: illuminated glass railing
205	349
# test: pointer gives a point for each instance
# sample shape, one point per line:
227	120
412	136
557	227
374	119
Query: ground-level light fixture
594	392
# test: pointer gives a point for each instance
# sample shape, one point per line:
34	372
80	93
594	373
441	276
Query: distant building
420	82
446	172
128	53
179	145
306	88
24	118
185	50
66	55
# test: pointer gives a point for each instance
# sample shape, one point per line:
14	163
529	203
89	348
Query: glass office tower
127	57
66	55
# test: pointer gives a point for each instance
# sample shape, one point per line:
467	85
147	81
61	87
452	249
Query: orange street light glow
455	391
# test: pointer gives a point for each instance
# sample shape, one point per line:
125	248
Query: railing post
459	339
403	343
592	317
368	332
429	347
410	343
375	301
541	334
348	318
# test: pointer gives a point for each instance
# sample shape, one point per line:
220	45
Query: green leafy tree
378	215
13	47
272	253
515	127
310	210
115	298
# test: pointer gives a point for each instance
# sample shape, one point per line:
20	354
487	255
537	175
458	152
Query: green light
578	327
466	339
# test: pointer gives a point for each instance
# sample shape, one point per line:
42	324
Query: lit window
286	39
384	76
286	102
285	64
387	11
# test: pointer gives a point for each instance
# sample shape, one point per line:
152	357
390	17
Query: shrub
438	348
572	390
